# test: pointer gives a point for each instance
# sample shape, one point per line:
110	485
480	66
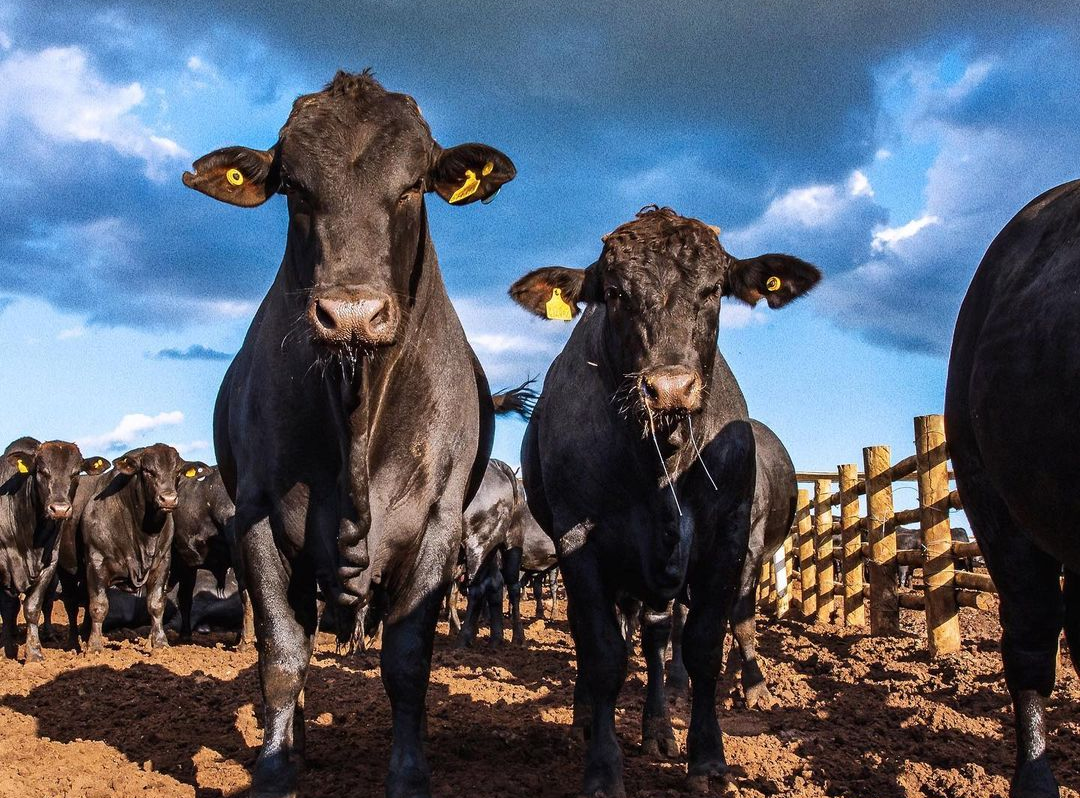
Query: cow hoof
661	745
702	785
158	644
274	778
1034	780
34	656
759	697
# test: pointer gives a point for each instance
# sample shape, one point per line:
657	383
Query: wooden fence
868	546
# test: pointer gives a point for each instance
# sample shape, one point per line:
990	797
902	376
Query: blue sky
886	142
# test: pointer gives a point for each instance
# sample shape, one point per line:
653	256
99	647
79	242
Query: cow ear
194	469
94	466
777	279
470	172
22	462
125	464
236	175
553	292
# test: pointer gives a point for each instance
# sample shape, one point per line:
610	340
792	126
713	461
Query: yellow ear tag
773	283
190	473
468	188
235	177
557	307
98	463
21	466
488	167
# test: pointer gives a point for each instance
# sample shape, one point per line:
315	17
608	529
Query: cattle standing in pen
123	534
539	563
492	543
1010	419
355	423
639	460
37	490
202	541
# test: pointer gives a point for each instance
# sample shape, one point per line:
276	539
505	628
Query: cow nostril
324	317
649	389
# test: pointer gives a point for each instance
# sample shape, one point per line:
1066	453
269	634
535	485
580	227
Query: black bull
1010	417
355	423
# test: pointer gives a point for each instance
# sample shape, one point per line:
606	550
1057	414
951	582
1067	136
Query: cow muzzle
58	511
671	390
167	501
353	316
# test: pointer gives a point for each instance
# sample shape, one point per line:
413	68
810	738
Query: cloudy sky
886	141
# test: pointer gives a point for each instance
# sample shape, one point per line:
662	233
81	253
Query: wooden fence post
770	575
942	623
783	601
807	566
884	597
824	539
851	539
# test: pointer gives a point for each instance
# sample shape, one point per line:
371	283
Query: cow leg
601	655
656	734
70	597
9	612
48	597
744	630
478	585
452	615
157	586
185	598
677	678
406	671
537	583
98	608
511	572
32	612
554	592
1032	611
493	595
283	603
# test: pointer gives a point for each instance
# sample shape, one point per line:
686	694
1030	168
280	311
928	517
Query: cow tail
520	400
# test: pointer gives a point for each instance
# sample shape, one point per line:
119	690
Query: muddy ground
861	717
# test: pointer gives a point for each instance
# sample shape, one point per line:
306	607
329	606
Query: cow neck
150	521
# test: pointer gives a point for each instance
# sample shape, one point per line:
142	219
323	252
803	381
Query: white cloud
889	236
59	93
131	428
859	185
187	450
71	332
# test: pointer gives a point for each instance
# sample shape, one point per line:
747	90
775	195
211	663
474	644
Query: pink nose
58	511
353	315
670	389
167	500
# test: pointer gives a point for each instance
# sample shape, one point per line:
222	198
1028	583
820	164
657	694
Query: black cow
37	488
1010	407
355	423
123	535
639	460
539	563
911	539
492	546
202	541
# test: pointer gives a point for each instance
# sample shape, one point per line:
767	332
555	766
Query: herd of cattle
353	432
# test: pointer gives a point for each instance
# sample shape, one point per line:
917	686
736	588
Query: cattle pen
862	542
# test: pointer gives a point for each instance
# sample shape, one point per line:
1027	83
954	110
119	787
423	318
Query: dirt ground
861	717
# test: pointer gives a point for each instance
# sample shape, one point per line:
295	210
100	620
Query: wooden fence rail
867	546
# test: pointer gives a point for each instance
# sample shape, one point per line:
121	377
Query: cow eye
44	472
613	292
711	291
412	191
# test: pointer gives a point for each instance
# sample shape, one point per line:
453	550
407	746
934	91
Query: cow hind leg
406	669
744	630
283	603
493	594
9	612
70	597
97	609
1032	611
677	678
32	608
656	735
185	595
511	572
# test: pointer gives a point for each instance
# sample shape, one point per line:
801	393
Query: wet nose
353	315
167	500
671	389
58	511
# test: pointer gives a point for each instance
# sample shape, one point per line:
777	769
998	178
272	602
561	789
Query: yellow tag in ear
21	467
557	307
468	188
235	177
191	472
773	283
488	167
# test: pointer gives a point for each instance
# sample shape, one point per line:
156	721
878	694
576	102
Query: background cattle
539	562
122	536
639	461
355	423
37	489
1010	418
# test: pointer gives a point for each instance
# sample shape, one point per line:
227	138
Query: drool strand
667	475
690	424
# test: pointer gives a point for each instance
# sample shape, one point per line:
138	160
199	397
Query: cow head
54	466
159	468
661	278
355	162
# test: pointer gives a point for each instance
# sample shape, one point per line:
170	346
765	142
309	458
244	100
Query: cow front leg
32	611
156	590
70	596
9	612
493	599
601	660
538	596
185	598
406	670
677	678
656	734
97	609
744	630
282	596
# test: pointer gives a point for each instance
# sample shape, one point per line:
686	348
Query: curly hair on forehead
661	233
